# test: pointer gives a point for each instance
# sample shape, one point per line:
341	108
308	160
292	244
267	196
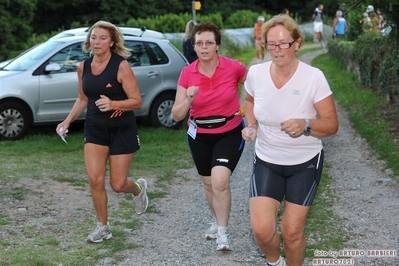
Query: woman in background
188	48
340	25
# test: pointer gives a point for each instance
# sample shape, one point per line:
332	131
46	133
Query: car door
147	72
59	89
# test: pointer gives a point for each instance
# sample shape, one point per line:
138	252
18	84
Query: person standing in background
188	48
108	89
381	20
259	45
208	90
317	23
340	25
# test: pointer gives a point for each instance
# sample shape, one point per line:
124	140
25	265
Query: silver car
138	31
40	86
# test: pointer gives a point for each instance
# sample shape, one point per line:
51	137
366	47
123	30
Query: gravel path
368	202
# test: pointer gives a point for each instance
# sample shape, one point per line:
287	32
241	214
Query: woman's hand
249	133
191	93
104	104
293	127
62	129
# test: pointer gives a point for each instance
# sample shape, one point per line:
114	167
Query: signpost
195	5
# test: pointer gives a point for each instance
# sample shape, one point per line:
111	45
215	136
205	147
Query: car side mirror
53	67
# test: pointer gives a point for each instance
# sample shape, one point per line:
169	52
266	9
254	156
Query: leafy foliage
374	58
15	24
244	19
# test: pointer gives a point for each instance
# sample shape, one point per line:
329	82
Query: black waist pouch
211	121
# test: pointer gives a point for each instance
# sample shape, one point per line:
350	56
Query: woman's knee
118	187
263	232
96	182
291	235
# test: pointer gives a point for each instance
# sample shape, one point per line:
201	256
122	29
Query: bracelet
116	106
256	125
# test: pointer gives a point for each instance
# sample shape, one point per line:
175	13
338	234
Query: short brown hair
207	26
285	21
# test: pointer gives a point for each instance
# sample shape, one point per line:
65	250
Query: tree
15	20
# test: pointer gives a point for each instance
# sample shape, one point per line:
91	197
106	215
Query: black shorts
297	183
120	140
210	150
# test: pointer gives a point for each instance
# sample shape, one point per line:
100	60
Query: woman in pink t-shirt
288	107
208	90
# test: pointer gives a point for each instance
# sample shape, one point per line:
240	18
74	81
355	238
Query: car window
139	55
160	56
69	58
29	58
145	54
62	35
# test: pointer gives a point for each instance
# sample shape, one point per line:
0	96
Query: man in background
317	23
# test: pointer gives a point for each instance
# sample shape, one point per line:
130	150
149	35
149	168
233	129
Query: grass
369	113
43	154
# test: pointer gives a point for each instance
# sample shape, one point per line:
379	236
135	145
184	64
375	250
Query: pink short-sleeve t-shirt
217	95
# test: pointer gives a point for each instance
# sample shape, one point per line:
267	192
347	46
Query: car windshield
62	35
30	57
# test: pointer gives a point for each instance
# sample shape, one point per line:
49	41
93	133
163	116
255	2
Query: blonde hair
285	21
116	36
189	30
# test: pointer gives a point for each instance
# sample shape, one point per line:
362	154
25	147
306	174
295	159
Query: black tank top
106	84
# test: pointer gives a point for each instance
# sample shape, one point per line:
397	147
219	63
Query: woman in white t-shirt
288	108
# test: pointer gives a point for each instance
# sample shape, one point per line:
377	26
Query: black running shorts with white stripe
296	183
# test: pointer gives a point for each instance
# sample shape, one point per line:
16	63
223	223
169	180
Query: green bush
374	58
244	19
355	27
174	23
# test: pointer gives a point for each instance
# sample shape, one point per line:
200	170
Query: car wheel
14	121
161	112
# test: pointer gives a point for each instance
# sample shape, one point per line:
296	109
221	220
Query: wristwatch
308	128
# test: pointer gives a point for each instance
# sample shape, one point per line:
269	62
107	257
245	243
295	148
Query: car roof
138	31
82	38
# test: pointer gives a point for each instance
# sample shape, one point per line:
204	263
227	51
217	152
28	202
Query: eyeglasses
201	44
282	46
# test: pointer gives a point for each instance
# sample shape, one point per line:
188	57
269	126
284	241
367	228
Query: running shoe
141	200
102	232
223	242
281	263
212	231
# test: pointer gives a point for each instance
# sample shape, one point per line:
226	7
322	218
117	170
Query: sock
276	263
222	230
138	185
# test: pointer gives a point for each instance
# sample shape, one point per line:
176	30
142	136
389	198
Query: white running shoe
212	231
281	263
223	242
141	200
102	232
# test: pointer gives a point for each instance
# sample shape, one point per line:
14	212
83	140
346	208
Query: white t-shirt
272	106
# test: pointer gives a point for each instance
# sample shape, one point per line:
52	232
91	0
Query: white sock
276	263
222	230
